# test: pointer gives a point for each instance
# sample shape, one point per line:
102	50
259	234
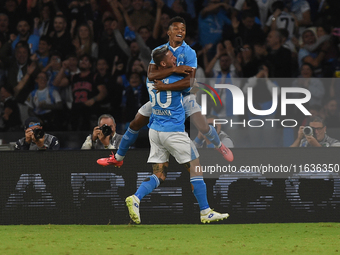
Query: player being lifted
167	136
186	65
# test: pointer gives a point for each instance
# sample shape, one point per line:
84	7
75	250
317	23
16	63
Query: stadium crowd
68	62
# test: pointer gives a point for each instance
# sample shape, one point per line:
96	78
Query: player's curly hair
176	19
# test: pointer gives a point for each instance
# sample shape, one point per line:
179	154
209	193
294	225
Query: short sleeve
191	59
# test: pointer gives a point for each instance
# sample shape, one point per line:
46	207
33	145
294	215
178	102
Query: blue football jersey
185	56
167	108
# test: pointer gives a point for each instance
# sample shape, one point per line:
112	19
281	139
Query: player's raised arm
154	73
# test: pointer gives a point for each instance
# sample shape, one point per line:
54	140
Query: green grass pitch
292	238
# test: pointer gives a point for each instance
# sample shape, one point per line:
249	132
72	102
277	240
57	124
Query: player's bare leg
148	185
200	191
210	133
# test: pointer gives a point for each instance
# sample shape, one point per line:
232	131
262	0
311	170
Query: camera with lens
38	133
308	131
106	130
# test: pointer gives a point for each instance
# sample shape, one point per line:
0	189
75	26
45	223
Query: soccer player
186	65
167	136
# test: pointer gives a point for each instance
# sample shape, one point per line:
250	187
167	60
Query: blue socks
200	191
147	186
212	136
128	139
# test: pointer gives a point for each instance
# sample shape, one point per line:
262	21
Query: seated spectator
43	103
36	138
10	119
104	135
84	43
25	35
316	138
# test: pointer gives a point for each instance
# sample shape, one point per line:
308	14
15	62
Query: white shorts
178	144
189	103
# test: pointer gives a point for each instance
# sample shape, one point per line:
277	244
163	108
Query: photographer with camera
104	135
314	135
36	138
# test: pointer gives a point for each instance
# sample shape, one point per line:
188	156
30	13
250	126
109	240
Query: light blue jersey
185	56
167	108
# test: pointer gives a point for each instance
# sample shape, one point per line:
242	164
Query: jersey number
156	97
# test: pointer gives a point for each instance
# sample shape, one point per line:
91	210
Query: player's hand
183	69
159	86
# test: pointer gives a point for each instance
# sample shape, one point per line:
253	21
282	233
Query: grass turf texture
295	238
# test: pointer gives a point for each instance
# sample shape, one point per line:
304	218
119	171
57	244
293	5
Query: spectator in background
244	31
331	113
86	94
53	68
43	53
146	35
4	28
250	64
160	29
224	76
25	35
13	13
279	57
34	140
134	96
44	102
263	6
139	16
308	81
211	22
22	72
301	12
313	57
10	119
104	135
112	43
43	26
60	37
84	43
318	138
280	19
